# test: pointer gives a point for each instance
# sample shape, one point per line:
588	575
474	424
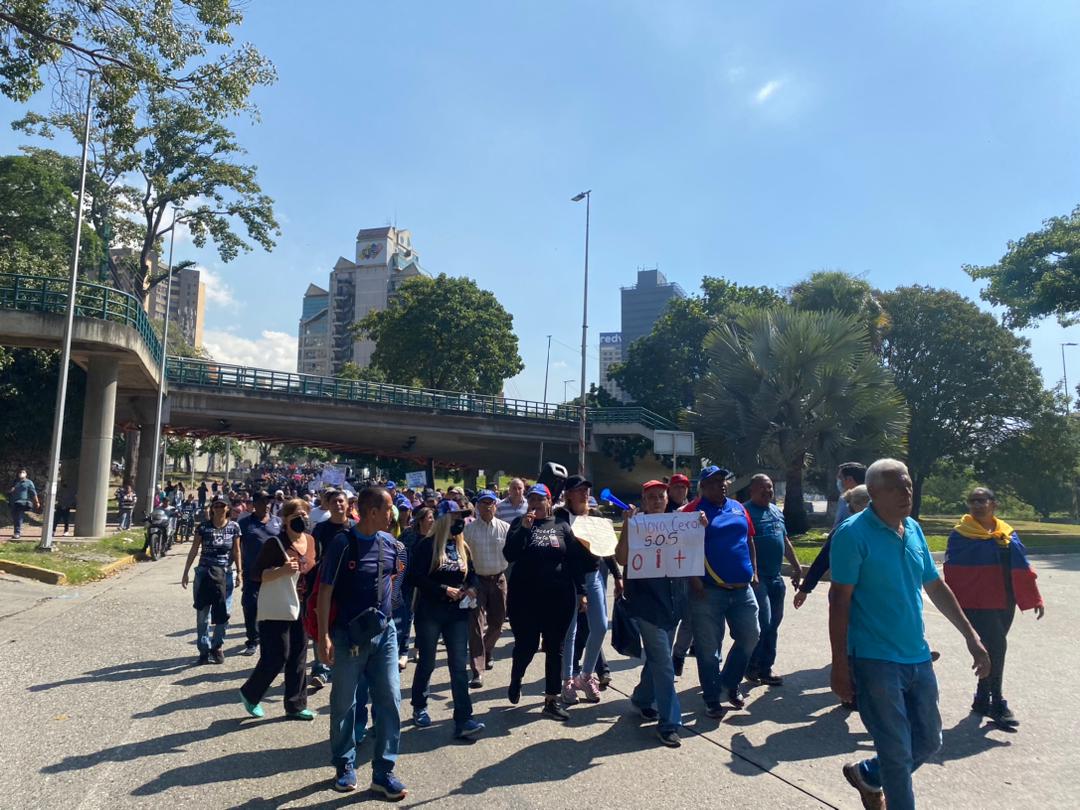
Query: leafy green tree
27	398
841	292
1040	465
185	48
783	385
453	335
295	454
969	382
1039	275
180	448
662	369
37	220
351	371
213	447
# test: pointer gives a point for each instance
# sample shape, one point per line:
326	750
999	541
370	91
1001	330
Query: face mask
839	486
22	476
298	524
457	527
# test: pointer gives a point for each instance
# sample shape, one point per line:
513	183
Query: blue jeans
125	519
18	512
738	608
597	615
898	704
770	594
403	618
374	666
657	684
202	617
431	620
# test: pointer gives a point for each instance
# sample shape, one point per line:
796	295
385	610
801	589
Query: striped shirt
507	512
486	541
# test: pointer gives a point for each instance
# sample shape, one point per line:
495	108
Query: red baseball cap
679	478
652	484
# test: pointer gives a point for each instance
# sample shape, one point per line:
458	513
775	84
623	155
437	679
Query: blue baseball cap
391	485
713	470
540	490
486	495
403	503
447	506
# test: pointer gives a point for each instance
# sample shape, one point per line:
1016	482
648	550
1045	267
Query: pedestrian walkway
104	709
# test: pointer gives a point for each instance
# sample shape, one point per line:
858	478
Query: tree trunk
131	455
916	494
794	507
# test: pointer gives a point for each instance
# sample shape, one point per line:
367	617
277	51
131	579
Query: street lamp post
1065	375
547	370
587	196
565	383
45	544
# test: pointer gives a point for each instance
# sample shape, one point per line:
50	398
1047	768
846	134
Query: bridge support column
143	469
99	418
472	478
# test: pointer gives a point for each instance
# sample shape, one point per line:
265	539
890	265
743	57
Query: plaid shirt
486	541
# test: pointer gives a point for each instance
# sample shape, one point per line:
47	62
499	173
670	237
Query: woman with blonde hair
445	585
281	566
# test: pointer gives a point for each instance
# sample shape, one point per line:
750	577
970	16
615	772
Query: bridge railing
48	294
223	376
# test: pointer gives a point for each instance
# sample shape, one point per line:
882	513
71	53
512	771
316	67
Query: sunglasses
978	500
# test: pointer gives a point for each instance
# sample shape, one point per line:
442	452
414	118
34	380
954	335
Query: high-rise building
384	259
313	344
610	353
187	306
643	303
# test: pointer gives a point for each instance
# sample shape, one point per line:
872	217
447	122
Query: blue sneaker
420	718
346	779
388	786
470	728
254	709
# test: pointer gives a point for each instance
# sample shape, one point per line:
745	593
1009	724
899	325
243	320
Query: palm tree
784	385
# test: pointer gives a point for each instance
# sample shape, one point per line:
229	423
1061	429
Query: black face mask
298	524
457	527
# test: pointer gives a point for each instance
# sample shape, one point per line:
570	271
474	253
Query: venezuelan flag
974	571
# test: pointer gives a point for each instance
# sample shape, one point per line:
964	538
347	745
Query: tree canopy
1039	275
443	333
783	385
969	381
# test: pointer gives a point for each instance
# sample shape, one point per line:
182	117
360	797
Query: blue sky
759	142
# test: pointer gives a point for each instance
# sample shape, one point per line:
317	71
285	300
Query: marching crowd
362	575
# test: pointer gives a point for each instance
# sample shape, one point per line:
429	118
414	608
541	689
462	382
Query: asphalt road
102	707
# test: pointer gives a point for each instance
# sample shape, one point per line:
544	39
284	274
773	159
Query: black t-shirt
546	555
432	584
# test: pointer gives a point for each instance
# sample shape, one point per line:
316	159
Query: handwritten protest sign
596	533
416	480
668	545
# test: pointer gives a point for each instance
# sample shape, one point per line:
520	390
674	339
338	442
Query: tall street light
1065	375
547	370
45	544
587	197
565	383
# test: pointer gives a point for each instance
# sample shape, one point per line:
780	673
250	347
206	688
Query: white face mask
840	486
22	476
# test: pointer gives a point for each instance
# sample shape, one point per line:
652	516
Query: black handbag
625	637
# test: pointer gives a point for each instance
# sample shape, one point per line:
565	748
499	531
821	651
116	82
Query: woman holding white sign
657	603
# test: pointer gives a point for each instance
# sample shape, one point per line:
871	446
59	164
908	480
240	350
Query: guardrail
27	293
223	376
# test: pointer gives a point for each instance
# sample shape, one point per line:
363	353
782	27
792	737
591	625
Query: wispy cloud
275	350
218	291
768	90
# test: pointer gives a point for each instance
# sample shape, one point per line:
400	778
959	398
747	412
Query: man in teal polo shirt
880	566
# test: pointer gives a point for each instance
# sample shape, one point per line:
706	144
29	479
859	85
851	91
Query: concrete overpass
115	343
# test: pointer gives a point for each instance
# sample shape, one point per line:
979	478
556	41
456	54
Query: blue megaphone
605	495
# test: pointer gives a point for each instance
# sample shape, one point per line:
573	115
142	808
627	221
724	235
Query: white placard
668	545
416	480
597	533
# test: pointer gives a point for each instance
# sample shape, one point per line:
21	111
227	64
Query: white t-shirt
318	515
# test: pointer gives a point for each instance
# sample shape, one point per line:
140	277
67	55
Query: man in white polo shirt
486	537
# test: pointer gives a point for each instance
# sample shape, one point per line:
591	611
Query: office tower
643	303
384	259
187	307
313	344
610	353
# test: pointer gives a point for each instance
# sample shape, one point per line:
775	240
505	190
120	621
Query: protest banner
416	480
667	545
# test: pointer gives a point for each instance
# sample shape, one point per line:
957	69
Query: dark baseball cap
575	481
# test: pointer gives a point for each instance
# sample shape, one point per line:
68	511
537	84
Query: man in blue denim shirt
356	575
880	566
772	544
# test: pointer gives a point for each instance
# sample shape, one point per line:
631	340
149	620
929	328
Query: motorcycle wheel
155	546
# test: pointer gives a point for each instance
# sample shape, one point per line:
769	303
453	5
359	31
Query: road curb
119	565
33	572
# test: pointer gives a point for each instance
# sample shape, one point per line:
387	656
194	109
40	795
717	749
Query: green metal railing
27	293
221	376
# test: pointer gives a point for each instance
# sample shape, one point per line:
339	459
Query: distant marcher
486	537
23	498
423	522
218	540
987	568
255	530
280	568
880	567
850	474
126	500
856	499
65	502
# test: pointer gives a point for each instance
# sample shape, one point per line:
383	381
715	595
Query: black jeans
541	614
249	601
993	628
62	516
283	646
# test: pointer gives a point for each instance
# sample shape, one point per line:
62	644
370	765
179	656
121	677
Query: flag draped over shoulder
974	570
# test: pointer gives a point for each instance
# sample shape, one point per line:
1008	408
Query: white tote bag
278	599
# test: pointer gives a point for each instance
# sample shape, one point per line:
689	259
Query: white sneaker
569	692
69	534
402	662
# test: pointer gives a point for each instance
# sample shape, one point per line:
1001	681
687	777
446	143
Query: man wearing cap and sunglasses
486	537
724	594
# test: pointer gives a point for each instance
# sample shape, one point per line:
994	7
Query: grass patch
80	562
